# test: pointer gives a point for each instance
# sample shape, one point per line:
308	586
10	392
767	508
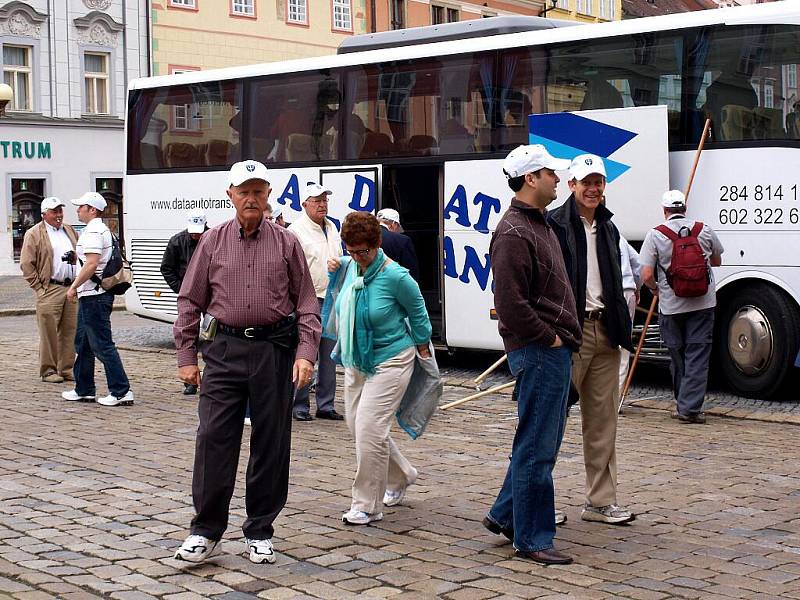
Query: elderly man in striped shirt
259	335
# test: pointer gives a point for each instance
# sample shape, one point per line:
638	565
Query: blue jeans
93	339
526	501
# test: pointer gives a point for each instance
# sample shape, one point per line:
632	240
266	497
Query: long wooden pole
492	390
479	379
650	312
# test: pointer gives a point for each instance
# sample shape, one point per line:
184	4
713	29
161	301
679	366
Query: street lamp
546	8
6	95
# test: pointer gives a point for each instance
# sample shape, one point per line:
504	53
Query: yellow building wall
209	37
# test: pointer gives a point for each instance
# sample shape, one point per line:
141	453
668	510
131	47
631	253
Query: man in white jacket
631	282
320	240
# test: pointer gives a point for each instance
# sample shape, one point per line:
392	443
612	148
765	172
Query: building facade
68	63
208	34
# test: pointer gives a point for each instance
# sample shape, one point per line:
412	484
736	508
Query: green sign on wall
29	150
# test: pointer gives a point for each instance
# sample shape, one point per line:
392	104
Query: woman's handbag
421	398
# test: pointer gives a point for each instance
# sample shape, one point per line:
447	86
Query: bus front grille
154	293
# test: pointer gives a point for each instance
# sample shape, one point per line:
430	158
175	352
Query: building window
183	3
583	6
95	73
246	8
441	14
17	74
298	11
563	4
342	15
791	76
768	97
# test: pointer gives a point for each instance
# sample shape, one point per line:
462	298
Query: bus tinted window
294	117
416	108
187	126
639	70
745	80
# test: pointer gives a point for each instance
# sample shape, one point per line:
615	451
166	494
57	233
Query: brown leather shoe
550	556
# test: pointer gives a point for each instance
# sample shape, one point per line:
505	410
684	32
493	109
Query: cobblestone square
94	500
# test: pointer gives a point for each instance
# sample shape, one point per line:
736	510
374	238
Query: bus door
415	192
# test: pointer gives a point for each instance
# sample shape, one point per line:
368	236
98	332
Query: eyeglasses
318	200
361	253
269	218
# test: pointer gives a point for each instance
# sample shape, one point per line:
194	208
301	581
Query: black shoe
303	415
691	419
495	528
551	556
189	389
331	415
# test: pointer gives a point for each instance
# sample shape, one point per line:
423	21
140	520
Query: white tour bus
420	119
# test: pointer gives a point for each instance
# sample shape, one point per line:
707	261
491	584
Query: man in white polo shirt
47	261
320	241
93	336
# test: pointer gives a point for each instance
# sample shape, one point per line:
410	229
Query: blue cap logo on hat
588	161
250	168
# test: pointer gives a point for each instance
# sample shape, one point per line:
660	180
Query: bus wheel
757	337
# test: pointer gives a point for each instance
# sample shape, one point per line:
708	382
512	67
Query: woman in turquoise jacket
381	324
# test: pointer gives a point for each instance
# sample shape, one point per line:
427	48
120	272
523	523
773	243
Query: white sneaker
359	517
197	548
260	551
72	396
395	497
247	421
561	517
112	400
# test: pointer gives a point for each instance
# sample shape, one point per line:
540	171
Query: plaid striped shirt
247	281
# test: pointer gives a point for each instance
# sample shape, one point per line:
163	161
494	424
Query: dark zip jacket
567	225
176	258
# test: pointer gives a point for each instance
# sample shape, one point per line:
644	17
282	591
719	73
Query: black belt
259	332
66	283
594	315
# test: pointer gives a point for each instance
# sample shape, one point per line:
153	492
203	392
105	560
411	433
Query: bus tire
757	335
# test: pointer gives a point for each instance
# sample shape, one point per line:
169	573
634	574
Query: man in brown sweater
540	331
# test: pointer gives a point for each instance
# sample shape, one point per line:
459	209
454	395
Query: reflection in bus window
295	119
185	126
422	107
746	80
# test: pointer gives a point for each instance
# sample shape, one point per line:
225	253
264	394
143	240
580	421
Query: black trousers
238	371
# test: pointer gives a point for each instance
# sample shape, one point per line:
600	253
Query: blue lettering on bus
357	202
488	204
481	268
291	193
458	205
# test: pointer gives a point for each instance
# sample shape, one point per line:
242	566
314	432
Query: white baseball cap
245	171
586	164
92	199
51	202
527	159
196	221
673	199
277	212
313	190
389	214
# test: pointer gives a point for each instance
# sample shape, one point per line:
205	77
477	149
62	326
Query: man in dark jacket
540	331
395	243
177	256
590	245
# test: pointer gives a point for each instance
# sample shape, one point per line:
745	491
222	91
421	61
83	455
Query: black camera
69	257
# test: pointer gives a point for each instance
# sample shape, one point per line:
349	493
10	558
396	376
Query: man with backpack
95	249
676	260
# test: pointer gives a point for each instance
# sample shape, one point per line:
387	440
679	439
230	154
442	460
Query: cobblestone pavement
93	501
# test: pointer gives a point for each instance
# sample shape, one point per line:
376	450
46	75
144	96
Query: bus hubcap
750	340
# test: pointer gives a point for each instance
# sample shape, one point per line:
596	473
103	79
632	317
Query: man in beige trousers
48	265
590	244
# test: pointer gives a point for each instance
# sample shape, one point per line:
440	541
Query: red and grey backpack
688	275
